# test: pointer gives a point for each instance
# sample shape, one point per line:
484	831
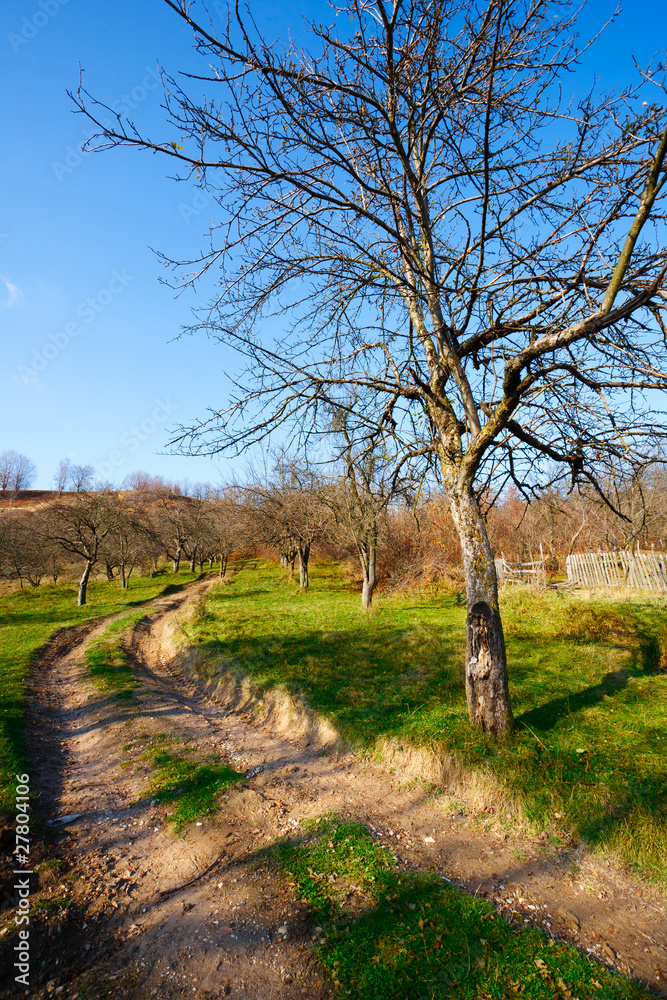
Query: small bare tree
17	472
80	478
130	539
26	556
61	478
288	513
226	526
197	522
360	497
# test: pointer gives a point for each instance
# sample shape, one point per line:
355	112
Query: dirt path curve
236	931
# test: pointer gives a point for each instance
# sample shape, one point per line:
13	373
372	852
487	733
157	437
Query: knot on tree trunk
486	678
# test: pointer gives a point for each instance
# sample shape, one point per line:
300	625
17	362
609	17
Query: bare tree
62	476
451	229
26	557
197	525
226	526
170	520
17	472
288	513
79	524
359	499
80	477
131	539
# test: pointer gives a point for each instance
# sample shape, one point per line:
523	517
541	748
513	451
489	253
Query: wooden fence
521	572
643	570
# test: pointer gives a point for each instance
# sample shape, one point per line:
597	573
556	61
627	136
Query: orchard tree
80	477
131	539
450	228
171	521
370	481
79	524
226	526
288	512
25	552
197	521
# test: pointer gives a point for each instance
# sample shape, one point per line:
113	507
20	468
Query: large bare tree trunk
304	555
177	560
486	663
83	583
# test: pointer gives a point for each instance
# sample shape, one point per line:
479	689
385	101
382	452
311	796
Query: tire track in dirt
121	931
146	917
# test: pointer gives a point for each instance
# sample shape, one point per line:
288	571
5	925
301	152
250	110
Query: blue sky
92	369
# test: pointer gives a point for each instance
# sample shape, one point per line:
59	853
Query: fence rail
521	572
643	570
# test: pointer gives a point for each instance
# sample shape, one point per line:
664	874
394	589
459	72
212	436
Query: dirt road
127	907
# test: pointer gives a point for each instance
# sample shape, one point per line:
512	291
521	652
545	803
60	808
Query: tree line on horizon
393	530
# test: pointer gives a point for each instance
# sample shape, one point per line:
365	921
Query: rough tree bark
83	582
304	556
367	558
487	688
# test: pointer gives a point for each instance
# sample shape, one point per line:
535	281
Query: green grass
28	618
193	786
54	903
587	682
389	934
107	660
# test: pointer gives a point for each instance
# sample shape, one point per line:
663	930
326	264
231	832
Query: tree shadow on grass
548	716
367	685
646	660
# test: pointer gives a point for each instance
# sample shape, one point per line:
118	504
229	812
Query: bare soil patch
127	907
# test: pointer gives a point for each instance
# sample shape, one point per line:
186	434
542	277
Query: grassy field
587	682
27	619
389	934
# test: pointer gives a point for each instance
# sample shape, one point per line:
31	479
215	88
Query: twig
195	878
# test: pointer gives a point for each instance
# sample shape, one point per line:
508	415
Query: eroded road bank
126	906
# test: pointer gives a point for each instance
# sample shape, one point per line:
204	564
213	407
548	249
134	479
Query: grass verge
28	618
587	680
107	660
389	934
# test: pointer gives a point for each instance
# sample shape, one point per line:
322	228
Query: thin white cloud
50	288
14	294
